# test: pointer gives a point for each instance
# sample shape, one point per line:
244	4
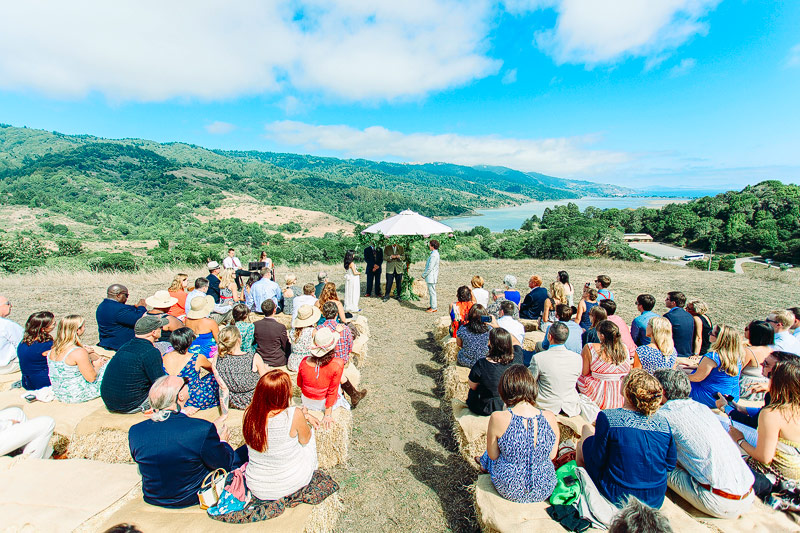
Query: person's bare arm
703	370
769	427
85	365
498	423
586	355
300	427
472	385
551	419
214	329
698	335
579	314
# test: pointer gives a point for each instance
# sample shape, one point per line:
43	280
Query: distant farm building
638	237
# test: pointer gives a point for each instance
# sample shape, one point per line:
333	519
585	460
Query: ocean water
504	218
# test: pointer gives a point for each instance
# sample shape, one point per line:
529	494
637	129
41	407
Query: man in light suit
431	274
374	259
395	256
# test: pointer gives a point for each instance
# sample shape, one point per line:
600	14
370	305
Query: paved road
737	265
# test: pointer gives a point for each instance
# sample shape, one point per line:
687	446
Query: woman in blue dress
660	353
187	361
719	369
521	442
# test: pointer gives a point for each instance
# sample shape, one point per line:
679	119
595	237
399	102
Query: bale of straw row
362	325
333	445
454	380
531	338
325	516
495	514
360	350
441	328
530	325
450	352
469	431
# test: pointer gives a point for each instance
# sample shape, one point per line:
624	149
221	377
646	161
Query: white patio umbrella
408	223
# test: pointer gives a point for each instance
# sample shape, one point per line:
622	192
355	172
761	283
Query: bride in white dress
352	283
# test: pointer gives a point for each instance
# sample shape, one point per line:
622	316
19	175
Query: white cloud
793	59
565	157
509	77
152	50
682	68
592	32
219	128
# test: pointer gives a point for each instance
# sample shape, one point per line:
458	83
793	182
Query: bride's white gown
352	291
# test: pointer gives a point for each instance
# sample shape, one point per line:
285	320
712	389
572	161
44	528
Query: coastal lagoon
504	218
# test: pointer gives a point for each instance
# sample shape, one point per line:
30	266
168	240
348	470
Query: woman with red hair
281	447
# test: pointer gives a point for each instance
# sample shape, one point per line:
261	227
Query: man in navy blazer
374	258
213	281
175	452
115	319
682	323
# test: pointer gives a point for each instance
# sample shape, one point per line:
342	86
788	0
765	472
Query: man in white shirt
10	336
200	290
232	262
307	298
559	369
507	322
782	320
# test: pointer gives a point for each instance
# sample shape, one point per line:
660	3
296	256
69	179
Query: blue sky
644	93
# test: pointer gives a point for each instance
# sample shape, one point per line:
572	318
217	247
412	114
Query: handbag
211	488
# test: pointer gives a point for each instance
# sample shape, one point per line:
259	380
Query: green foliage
106	261
58	229
18	253
727	265
69	247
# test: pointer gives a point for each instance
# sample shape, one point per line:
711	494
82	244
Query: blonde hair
476	282
662	335
290	279
730	348
67	333
228	337
177	282
699	306
558	292
643	391
226	277
783	317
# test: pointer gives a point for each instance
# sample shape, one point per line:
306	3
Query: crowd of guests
658	395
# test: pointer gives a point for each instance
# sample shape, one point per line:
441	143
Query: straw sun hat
324	341
307	315
161	300
200	307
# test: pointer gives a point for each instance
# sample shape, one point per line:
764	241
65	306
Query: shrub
726	265
107	261
69	247
18	253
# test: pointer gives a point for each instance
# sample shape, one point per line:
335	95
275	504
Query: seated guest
625	334
32	436
585	306
320	375
262	290
644	304
496	301
459	310
303	338
76	375
533	304
228	290
510	293
206	329
187	361
239	370
483	397
760	336
480	294
200	291
240	312
115	319
605	365
637	517
343	348
213	281
291	292
322	279
682	323
32	350
776	458
509	323
602	284
569	290
161	302
133	370
558	296
702	326
711	474
473	337
521	442
564	316
246	290
233	263
307	298
10	335
659	353
796	326
782	321
281	449
175	452
329	294
596	315
559	369
177	290
272	342
719	369
631	452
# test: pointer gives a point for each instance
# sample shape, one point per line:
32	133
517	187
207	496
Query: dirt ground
405	473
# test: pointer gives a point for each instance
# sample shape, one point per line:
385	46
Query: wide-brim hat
324	341
307	315
161	300
212	265
200	307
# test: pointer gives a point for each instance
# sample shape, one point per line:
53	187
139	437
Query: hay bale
286	320
531	338
6	380
469	431
106	445
441	328
324	517
570	427
333	445
360	350
454	380
361	324
530	325
420	288
450	351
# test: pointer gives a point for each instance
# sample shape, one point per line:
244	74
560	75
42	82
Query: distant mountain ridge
583	187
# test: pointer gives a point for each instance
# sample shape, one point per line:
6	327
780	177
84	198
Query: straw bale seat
360	350
497	515
469	431
361	324
311	518
6	380
59	496
454	380
531	338
441	328
570	427
284	319
530	325
758	518
450	351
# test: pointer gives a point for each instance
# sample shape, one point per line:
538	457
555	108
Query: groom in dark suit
374	258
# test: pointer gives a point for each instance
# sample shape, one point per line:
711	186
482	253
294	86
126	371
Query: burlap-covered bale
530	325
570	427
454	380
441	328
360	350
325	516
450	352
531	338
361	324
420	288
759	517
286	320
6	380
469	431
333	445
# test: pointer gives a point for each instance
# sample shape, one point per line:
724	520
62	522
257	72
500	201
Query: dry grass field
405	473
